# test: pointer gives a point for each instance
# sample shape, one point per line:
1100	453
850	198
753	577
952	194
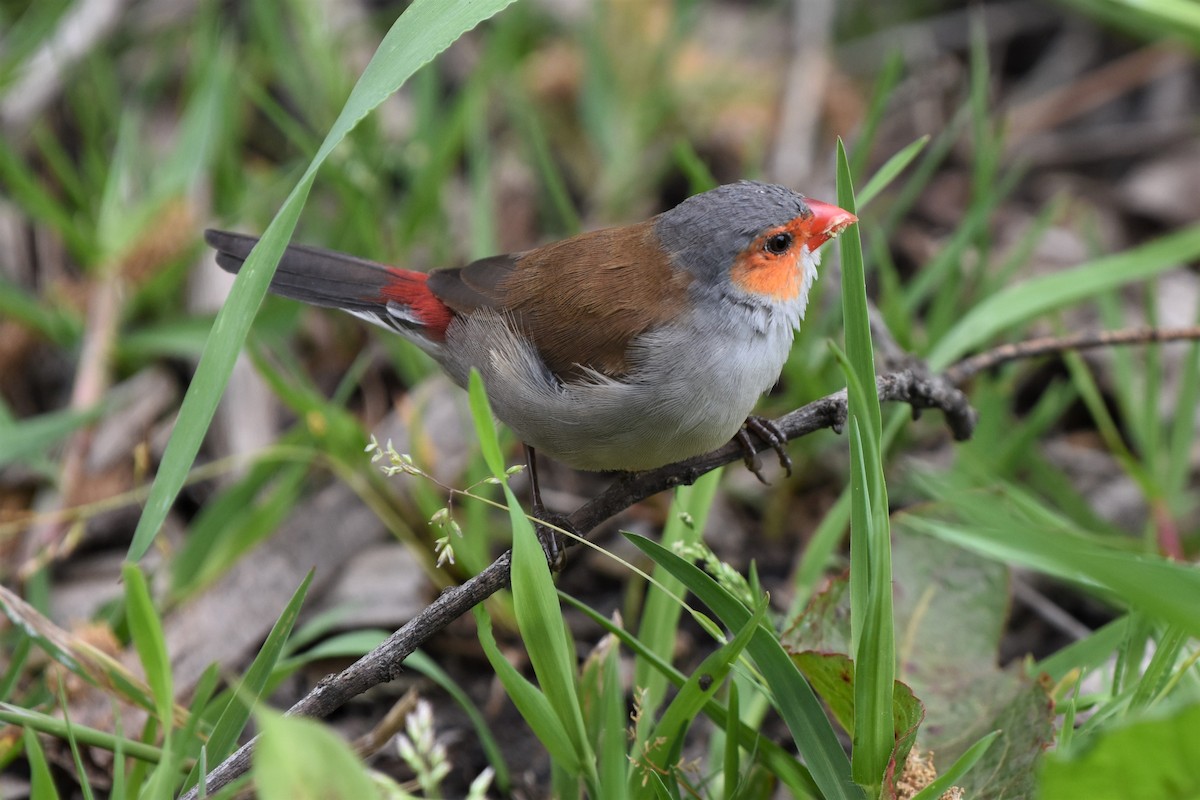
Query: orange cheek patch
776	277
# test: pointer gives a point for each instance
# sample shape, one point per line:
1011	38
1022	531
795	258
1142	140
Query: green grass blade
881	94
298	757
699	176
233	718
873	629
957	770
539	616
117	790
146	630
14	669
485	426
661	612
779	761
138	774
92	737
1163	589
23	184
117	224
25	308
731	762
426	28
535	603
930	283
611	741
535	600
533	706
854	305
40	780
81	771
203	121
1032	298
794	698
888	172
23	438
1157	671
605	715
1086	654
201	695
216	364
695	694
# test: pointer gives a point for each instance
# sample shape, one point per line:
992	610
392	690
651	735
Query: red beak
826	222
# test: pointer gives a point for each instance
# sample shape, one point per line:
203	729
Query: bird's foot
554	544
769	433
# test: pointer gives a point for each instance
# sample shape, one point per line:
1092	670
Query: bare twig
1089	340
392	723
93	378
1096	88
380	665
915	386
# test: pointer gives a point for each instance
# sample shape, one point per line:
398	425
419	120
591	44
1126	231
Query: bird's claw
554	544
749	457
769	433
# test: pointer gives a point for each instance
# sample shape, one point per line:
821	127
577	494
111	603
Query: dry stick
1030	348
915	386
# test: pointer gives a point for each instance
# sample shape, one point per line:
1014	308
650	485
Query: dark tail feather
312	275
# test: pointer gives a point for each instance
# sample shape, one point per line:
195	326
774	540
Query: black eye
779	243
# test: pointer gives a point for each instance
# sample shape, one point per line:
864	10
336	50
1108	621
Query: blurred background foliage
1056	134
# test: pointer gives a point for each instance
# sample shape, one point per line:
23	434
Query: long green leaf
539	617
779	761
535	600
1086	654
25	437
873	630
695	694
302	758
794	698
40	780
485	426
661	611
888	172
1032	298
426	28
1153	585
533	706
148	639
57	727
958	769
611	714
233	718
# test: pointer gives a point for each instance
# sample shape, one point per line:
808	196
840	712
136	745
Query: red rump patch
410	289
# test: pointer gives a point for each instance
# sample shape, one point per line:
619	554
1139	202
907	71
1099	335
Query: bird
619	349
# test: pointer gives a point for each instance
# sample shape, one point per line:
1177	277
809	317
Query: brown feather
477	285
617	283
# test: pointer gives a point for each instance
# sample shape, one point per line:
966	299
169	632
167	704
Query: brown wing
477	285
582	300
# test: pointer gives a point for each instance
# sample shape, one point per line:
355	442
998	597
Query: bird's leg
769	433
553	543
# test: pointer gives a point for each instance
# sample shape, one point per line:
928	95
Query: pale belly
689	393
